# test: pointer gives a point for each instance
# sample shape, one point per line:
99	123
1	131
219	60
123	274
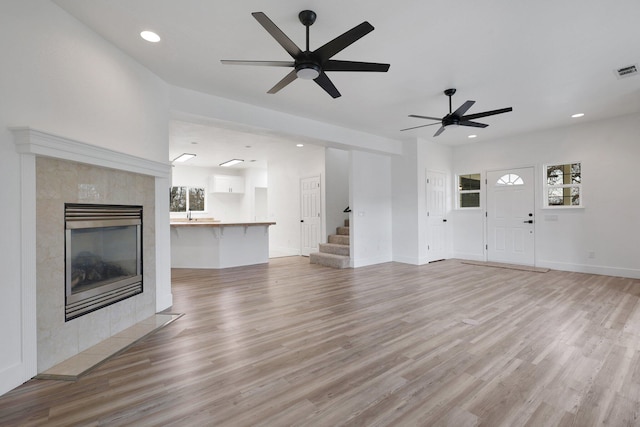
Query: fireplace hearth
103	256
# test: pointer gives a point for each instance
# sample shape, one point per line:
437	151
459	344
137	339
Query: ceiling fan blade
325	83
260	63
285	81
277	34
486	113
416	127
329	49
463	108
439	131
334	65
425	117
472	124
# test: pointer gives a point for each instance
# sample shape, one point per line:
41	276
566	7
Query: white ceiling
217	142
546	59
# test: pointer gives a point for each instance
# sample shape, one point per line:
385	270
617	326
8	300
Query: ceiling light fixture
307	71
575	116
150	36
183	157
231	162
472	136
299	145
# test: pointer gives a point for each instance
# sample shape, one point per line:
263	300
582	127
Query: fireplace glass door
103	256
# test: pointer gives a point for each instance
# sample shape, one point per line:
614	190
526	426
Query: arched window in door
510	179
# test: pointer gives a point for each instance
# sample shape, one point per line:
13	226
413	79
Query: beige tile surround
59	182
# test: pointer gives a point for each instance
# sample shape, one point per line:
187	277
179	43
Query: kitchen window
183	199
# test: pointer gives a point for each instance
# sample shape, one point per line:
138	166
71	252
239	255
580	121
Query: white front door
310	215
436	195
510	221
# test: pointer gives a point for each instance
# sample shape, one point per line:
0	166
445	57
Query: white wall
607	225
254	178
284	176
63	79
337	188
406	199
370	201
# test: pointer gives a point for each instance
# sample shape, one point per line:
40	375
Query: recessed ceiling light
231	162
472	136
575	116
299	145
183	157
150	36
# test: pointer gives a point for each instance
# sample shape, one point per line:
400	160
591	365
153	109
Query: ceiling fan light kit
313	65
458	117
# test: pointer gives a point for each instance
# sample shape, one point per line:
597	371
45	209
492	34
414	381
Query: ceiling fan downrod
307	18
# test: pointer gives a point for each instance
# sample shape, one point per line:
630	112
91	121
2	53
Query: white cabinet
226	184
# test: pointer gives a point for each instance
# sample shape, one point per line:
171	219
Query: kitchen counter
208	243
209	223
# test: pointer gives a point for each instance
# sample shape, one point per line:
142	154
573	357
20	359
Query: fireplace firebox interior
103	254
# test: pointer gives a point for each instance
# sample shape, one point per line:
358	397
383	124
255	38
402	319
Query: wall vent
627	71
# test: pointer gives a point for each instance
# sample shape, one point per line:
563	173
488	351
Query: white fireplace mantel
31	141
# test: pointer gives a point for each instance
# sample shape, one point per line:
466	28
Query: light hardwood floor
291	343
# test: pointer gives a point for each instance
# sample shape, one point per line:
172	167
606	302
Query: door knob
528	222
444	220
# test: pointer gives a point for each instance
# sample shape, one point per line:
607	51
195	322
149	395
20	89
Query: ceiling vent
628	71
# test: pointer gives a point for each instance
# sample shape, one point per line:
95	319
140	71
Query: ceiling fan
457	118
309	65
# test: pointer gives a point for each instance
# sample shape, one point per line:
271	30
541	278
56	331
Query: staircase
335	253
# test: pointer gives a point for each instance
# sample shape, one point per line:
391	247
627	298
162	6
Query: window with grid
563	185
469	191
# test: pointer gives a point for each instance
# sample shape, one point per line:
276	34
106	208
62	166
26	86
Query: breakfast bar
206	243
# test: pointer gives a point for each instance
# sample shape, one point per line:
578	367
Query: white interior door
436	195
510	220
310	215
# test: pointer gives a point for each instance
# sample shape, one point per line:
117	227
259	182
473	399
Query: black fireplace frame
95	216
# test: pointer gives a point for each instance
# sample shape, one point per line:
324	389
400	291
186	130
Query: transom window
510	179
563	185
469	190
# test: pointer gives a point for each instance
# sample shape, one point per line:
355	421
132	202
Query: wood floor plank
293	343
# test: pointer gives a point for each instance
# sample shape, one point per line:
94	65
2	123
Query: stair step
339	239
329	260
332	248
343	231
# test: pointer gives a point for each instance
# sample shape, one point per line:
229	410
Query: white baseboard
469	256
632	273
370	261
408	260
281	251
